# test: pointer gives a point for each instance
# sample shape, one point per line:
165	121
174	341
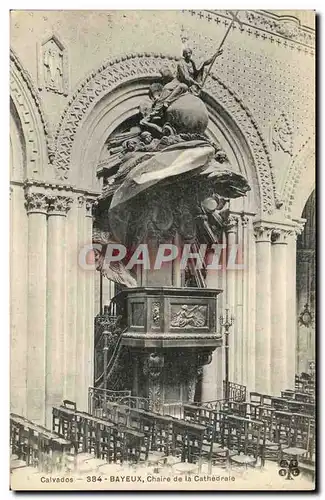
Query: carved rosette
36	203
59	205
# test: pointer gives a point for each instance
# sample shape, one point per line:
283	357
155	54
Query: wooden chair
256	398
301	438
215	451
144	422
136	445
247	438
288	394
266	400
187	442
283	427
279	404
162	437
70	404
304	397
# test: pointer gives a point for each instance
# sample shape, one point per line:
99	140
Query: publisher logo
289	470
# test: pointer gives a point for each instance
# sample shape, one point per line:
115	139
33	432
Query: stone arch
300	179
106	83
29	124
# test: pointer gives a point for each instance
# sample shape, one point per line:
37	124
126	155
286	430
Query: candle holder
226	322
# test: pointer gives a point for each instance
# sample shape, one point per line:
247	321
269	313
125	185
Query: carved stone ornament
156	313
59	205
36	202
299	162
263	26
287	27
31	116
90	206
282	135
231	223
53	66
153	365
305	317
262	234
189	317
280	235
154	394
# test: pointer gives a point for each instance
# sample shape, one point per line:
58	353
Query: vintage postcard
162	211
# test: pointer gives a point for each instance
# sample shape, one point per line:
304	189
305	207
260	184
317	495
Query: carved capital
231	223
279	236
59	205
262	234
90	206
36	202
81	200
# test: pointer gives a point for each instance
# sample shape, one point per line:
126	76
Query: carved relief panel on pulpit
53	66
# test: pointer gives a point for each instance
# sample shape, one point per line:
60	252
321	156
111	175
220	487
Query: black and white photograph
162	250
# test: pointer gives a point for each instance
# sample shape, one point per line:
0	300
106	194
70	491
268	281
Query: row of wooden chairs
105	439
285	432
305	383
281	403
37	446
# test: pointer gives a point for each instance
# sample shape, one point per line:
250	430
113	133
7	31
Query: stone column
263	309
36	204
249	301
231	276
213	373
90	309
56	300
291	316
18	300
81	306
278	311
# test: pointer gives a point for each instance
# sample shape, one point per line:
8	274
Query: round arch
112	94
29	128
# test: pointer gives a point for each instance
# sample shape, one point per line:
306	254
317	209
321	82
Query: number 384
93	479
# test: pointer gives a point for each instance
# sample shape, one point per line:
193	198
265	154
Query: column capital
279	236
276	231
231	223
59	204
36	202
262	233
50	199
90	205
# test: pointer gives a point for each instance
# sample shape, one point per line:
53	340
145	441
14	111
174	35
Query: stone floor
96	474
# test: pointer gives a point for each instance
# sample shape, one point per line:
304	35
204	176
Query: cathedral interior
162	242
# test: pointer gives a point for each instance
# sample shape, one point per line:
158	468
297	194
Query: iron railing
99	399
234	392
